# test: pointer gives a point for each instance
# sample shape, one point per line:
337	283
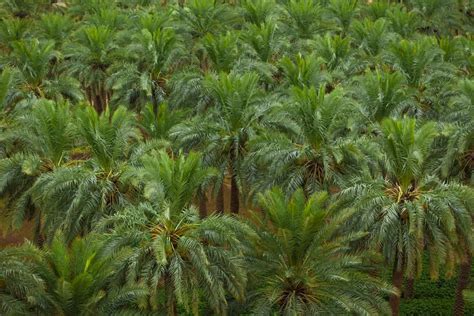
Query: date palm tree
309	146
407	210
39	140
75	196
180	256
301	264
89	58
222	134
38	76
174	181
458	163
150	57
66	280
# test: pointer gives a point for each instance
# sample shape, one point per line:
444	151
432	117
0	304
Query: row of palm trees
347	126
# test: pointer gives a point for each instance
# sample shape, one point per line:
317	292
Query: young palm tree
343	12
201	17
221	50
55	27
372	36
302	17
301	265
407	210
223	133
157	125
402	21
258	12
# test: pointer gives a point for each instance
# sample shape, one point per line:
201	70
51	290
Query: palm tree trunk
234	187
463	282
397	282
38	238
234	195
203	205
220	199
409	288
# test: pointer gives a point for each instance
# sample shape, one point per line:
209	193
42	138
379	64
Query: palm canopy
302	264
76	195
308	147
222	134
75	280
406	209
460	148
38	142
182	259
171	181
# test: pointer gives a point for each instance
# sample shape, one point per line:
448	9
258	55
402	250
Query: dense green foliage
267	157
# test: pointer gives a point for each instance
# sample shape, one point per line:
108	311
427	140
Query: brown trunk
38	237
203	205
409	288
463	282
234	195
220	199
397	282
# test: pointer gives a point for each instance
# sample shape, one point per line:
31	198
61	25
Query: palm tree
75	280
89	58
258	12
458	162
402	21
223	133
343	12
302	17
222	50
407	210
201	17
13	30
56	27
38	142
174	251
21	289
174	181
459	158
151	55
7	91
382	94
372	36
36	62
308	147
157	125
78	194
301	264
302	71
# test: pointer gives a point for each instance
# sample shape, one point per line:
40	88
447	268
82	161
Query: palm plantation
236	157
